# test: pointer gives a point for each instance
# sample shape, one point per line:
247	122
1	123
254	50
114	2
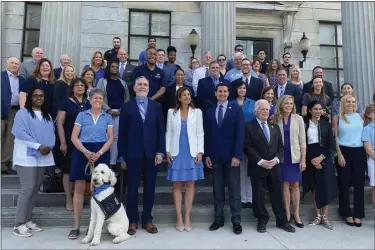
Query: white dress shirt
248	79
312	133
261	126
199	73
14	87
281	87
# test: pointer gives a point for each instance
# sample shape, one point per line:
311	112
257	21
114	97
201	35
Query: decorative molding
287	20
267	7
258	26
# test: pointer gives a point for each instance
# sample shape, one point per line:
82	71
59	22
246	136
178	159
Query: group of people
254	130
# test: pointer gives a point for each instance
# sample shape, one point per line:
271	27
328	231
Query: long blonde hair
342	108
62	76
299	73
279	112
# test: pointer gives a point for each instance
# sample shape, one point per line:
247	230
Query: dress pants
113	150
148	170
354	169
7	140
246	189
272	180
223	172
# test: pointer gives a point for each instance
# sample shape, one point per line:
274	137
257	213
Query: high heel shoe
180	228
188	229
300	225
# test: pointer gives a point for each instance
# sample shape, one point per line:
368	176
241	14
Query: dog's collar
101	188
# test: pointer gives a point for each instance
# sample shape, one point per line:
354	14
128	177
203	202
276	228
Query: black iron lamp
304	44
193	40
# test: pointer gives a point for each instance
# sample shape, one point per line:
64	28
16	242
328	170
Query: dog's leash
91	166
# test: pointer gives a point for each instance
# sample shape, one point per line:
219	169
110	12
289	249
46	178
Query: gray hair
95	91
239	54
257	104
141	77
8	60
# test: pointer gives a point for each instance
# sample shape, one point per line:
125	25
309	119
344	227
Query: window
31	28
252	45
331	55
145	24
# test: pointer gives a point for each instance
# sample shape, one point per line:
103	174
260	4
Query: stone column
218	28
60	31
358	30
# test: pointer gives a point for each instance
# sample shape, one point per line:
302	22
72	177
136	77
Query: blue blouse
248	109
93	130
350	134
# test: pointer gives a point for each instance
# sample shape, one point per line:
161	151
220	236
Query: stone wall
12	25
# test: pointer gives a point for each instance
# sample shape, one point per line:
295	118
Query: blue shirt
98	74
225	105
142	57
248	109
155	78
234	74
91	130
350	134
368	134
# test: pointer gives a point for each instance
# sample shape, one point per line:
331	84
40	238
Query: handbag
52	183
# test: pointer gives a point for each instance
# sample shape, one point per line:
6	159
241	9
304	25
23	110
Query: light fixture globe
193	40
304	45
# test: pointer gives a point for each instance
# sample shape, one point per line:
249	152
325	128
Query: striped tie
142	110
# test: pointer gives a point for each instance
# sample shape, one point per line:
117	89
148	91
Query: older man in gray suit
28	67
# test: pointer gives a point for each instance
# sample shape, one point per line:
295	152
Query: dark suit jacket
206	98
328	89
257	147
137	138
226	141
57	72
253	92
127	76
6	93
170	96
294	91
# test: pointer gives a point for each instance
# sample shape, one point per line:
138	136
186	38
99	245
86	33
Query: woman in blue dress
92	137
292	130
66	116
184	151
247	106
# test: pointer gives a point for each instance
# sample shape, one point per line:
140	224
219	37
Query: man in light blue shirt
236	72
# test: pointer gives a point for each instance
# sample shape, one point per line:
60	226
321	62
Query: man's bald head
65	60
122	55
13	65
37	54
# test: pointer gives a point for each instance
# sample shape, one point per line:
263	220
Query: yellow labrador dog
106	210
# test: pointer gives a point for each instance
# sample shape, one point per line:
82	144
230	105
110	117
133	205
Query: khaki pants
7	141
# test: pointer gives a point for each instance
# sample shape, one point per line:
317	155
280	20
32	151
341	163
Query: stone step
163	214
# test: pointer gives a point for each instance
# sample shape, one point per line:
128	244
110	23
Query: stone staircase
50	209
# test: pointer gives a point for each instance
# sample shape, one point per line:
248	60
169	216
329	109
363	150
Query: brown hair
87	69
269	69
369	109
93	58
266	89
38	76
323	96
178	95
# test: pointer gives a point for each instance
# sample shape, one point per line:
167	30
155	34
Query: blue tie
265	131
207	74
122	68
220	115
142	110
216	81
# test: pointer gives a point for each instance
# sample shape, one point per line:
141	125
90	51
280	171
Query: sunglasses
239	50
221	60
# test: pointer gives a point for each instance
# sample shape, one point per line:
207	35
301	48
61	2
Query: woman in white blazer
184	150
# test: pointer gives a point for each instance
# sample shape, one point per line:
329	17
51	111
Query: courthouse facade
341	34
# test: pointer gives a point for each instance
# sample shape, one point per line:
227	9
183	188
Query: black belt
15	107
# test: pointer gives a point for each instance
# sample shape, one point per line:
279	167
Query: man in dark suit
265	150
287	88
206	97
254	85
224	128
328	89
141	147
64	61
125	69
11	82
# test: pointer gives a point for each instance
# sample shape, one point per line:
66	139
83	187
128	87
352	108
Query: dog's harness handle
91	166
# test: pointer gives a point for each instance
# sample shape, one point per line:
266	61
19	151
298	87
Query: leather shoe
243	205
287	227
237	229
132	229
249	205
261	228
216	225
150	228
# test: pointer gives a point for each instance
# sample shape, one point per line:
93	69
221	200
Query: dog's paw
120	239
85	240
95	242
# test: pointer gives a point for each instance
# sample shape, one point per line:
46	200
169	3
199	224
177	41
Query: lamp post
304	45
193	41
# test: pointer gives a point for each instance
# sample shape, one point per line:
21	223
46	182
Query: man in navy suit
287	88
141	148
206	97
224	129
11	82
254	85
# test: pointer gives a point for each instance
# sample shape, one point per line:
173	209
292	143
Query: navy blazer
6	93
170	95
226	141
294	91
138	139
206	98
254	92
57	72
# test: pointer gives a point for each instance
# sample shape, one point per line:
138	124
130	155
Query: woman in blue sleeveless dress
184	150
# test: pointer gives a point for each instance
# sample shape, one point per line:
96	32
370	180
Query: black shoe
9	172
357	224
216	225
351	224
249	205
261	228
300	225
287	227
237	229
243	205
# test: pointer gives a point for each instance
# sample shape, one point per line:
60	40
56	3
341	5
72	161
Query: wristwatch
101	152
322	155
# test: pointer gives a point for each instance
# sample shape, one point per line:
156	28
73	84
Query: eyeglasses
239	50
194	62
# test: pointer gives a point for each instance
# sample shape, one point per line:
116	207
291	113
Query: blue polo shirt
368	134
143	57
155	78
93	130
